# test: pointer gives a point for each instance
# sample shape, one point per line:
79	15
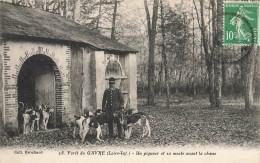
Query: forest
181	51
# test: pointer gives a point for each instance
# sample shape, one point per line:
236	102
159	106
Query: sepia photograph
129	81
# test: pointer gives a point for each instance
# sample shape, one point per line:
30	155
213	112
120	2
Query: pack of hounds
29	115
127	119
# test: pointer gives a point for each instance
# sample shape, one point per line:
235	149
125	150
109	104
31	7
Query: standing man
112	101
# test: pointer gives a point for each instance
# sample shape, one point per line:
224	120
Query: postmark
240	23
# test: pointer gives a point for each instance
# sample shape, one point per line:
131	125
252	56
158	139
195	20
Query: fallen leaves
180	125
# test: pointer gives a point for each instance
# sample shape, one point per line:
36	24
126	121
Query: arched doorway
39	83
113	69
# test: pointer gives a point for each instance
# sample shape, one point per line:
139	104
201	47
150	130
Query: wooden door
45	93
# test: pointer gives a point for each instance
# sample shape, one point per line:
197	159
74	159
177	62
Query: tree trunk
243	69
179	82
114	22
76	12
160	79
257	76
210	69
218	80
151	72
164	58
201	60
193	56
224	78
152	34
209	57
219	51
247	75
212	63
45	5
99	14
255	69
66	8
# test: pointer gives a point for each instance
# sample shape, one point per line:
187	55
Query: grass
191	123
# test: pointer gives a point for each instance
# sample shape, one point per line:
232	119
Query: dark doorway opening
37	84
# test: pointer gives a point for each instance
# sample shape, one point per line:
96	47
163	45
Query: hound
28	121
38	111
21	111
131	111
78	123
46	112
128	121
101	118
91	122
32	119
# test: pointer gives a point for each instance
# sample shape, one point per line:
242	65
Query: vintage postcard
129	81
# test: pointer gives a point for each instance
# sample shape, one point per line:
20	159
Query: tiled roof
24	22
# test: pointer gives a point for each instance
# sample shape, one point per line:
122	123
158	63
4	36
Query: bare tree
209	57
114	21
99	14
165	57
151	26
76	13
247	74
218	55
214	52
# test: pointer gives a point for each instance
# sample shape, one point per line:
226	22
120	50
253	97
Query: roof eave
33	38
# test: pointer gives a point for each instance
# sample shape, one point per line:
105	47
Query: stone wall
131	72
93	79
89	77
100	77
76	79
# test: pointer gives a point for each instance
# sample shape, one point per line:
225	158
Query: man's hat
112	80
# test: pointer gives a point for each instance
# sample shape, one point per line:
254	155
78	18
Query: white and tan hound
46	112
78	123
21	111
84	124
87	124
28	121
38	111
128	121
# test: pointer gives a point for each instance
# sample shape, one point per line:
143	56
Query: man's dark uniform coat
112	101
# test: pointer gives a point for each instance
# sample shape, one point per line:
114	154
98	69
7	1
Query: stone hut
48	59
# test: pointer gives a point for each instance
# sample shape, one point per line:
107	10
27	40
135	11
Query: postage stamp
240	23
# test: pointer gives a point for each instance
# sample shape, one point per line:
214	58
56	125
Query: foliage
177	31
178	37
